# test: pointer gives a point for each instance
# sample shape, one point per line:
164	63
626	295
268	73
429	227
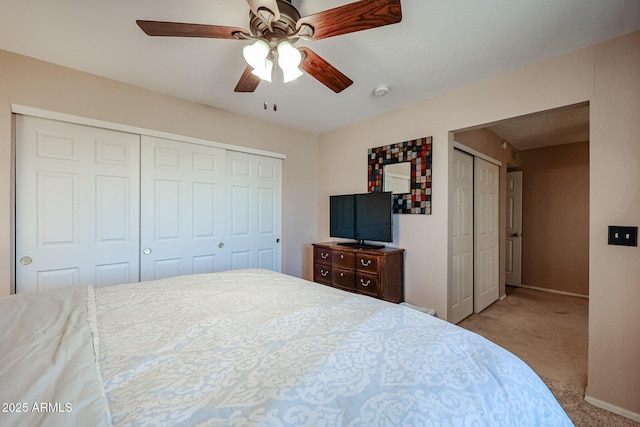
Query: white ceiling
440	45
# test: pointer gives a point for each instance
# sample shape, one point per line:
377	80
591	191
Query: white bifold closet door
206	209
182	224
253	211
77	205
104	207
487	243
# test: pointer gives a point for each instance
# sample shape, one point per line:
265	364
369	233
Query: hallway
548	331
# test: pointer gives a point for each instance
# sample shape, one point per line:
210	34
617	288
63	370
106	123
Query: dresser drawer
367	284
344	279
378	273
322	274
343	259
367	263
322	256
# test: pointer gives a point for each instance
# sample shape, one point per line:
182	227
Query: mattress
258	348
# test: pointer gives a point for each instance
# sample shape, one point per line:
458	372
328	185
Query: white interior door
77	204
486	223
182	208
513	264
254	193
461	289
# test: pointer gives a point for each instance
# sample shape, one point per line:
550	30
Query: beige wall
607	76
555	206
614	199
42	85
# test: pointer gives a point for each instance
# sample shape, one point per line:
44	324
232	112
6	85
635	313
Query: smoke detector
381	90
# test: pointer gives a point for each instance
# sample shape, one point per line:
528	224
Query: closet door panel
167	203
77	192
182	213
113	221
254	185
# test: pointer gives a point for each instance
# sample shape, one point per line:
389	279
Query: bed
251	348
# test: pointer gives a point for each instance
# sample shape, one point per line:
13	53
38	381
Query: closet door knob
146	251
26	260
221	245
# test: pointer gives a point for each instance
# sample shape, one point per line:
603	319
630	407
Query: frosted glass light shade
256	54
291	74
265	71
289	59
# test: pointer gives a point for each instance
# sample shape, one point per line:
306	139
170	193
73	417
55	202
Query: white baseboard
553	291
612	408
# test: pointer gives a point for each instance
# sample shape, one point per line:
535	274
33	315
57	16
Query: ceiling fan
275	25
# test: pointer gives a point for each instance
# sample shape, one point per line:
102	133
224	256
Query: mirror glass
397	177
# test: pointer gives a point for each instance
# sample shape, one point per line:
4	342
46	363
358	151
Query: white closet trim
46	114
462	147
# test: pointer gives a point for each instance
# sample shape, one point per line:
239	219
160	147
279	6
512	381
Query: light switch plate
623	235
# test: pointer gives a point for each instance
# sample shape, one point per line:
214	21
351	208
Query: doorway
551	150
513	238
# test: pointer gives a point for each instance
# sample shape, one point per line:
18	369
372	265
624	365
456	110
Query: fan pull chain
271	93
275	89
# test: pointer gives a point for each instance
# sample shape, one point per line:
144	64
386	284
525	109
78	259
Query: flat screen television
362	217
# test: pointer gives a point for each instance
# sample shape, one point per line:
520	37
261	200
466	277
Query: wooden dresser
375	272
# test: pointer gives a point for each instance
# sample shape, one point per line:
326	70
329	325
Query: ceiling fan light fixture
289	59
289	75
264	71
256	54
272	22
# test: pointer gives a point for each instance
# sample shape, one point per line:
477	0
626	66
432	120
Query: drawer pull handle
365	284
324	255
341	274
324	273
341	256
367	264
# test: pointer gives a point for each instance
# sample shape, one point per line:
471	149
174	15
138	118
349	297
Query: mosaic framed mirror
405	169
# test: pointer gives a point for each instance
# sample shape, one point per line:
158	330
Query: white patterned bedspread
48	370
255	347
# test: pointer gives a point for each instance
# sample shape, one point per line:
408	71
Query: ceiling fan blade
358	16
324	72
270	5
179	29
248	81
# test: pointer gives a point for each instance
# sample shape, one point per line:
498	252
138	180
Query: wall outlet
623	236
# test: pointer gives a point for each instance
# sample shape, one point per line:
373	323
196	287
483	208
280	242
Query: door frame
79	120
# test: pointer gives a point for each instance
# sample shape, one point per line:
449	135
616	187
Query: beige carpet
549	332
